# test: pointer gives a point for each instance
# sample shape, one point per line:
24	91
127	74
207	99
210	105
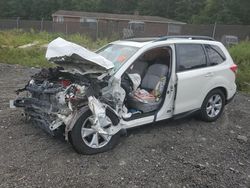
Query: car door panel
190	87
192	74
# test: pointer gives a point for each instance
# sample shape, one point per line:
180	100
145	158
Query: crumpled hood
72	56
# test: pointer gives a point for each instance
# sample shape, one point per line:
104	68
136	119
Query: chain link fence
121	29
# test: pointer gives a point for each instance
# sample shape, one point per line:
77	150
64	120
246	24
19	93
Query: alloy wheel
214	106
92	137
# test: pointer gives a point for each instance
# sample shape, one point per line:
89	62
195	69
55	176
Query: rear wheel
86	140
213	106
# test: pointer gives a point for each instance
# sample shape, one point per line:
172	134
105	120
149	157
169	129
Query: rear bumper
231	99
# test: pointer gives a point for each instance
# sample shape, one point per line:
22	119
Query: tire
215	100
82	146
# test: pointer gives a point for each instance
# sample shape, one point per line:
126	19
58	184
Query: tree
164	8
85	5
114	6
218	11
186	9
190	11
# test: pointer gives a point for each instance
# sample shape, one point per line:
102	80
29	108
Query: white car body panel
131	43
60	48
194	85
136	122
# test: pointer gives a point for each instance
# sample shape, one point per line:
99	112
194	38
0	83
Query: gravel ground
182	153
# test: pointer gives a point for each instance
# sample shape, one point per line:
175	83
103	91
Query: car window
118	54
190	56
215	54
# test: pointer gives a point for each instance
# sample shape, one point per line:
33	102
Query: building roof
107	16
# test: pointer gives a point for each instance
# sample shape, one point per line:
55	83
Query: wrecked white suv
91	98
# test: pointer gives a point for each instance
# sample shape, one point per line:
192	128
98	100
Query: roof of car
140	42
131	43
149	39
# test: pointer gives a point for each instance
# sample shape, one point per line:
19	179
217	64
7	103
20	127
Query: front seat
153	75
139	67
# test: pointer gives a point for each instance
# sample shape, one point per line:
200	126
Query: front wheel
213	106
86	140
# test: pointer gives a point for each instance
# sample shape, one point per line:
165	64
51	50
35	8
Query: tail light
234	68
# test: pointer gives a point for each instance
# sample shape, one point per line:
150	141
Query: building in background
107	24
103	25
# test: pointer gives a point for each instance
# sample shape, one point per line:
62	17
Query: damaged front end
57	97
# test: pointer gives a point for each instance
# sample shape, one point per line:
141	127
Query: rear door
192	75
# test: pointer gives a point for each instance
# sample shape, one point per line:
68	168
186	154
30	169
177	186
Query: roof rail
191	37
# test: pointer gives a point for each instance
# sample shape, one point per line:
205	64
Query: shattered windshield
118	54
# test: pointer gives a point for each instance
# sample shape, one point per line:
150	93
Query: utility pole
41	28
66	28
97	29
17	22
214	31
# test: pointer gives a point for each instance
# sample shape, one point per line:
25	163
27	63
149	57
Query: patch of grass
32	57
35	56
241	55
15	38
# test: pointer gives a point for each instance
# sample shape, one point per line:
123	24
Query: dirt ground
183	153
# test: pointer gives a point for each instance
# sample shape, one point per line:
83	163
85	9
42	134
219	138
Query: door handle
171	88
210	74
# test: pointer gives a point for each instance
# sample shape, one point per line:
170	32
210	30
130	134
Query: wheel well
223	90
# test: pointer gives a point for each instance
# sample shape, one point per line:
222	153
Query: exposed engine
58	97
56	94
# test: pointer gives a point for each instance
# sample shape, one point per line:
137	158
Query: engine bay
55	96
